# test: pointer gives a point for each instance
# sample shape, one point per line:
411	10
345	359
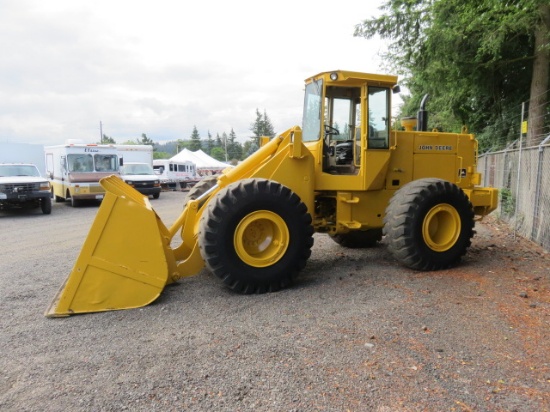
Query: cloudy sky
161	67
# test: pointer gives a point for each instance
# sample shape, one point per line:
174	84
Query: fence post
519	168
538	189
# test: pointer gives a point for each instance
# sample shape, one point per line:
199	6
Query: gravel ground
357	332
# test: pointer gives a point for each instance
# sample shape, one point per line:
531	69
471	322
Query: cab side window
378	132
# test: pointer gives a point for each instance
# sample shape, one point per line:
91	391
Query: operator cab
350	113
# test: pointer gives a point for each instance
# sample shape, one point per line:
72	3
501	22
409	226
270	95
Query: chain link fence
523	177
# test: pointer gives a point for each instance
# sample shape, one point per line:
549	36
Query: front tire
429	224
46	205
256	236
74	202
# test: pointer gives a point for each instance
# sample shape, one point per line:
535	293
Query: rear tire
156	195
359	239
256	236
57	199
429	224
200	188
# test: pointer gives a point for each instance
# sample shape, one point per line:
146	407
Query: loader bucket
125	261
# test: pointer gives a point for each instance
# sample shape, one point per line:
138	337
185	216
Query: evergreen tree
195	140
268	129
107	140
182	144
210	143
145	140
218	142
249	147
234	148
232	137
261	127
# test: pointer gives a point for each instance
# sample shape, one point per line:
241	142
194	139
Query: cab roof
346	77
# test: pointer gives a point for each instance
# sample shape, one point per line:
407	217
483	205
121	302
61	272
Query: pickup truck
22	186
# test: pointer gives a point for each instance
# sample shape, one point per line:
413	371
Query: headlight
44	186
334	76
129	182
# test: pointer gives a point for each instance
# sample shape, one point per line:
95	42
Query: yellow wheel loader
345	173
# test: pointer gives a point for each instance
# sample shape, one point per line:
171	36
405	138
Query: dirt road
357	332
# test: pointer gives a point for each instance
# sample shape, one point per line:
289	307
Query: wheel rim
261	238
441	227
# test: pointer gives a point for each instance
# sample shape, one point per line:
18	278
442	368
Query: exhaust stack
422	116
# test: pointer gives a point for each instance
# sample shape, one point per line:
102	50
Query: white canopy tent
206	165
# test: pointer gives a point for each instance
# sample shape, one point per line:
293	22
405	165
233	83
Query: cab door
356	132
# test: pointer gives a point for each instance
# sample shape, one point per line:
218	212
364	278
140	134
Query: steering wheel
329	130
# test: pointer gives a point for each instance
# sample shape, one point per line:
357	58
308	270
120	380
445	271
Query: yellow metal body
124	260
127	258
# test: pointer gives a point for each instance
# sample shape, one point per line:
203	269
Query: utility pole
225	144
100	132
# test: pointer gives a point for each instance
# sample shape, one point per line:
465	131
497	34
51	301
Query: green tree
477	59
234	148
145	140
261	127
210	143
195	140
249	147
182	144
218	142
161	155
218	153
107	140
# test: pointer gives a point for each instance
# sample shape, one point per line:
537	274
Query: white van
176	175
141	177
74	170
